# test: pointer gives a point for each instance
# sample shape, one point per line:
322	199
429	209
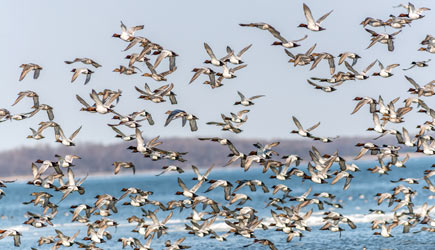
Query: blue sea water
356	202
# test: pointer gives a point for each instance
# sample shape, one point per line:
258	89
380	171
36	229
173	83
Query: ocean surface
356	202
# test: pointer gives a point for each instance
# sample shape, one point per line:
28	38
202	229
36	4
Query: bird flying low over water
121	164
13	233
301	131
291	211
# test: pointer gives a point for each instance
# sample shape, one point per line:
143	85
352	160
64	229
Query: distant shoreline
128	172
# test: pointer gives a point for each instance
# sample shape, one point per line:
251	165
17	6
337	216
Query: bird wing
182	185
193	125
238	67
350	68
390	44
297	123
392	66
255	97
308	15
88	77
313	127
317	61
375	40
26	69
75	133
36	73
324	17
209	50
159	59
310	50
83	102
244	50
369	67
150	67
197	74
75	75
303	38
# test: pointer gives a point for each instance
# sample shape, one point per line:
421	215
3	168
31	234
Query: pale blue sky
50	32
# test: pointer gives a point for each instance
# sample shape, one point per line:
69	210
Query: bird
261	25
413	13
321	56
229	73
121	135
301	59
426	90
67	160
323	88
419	64
213	60
67	141
14	233
30	94
84	71
351	55
127	34
235	59
84	61
199	176
311	24
374	22
103	106
167	169
301	131
177	113
29	67
246	101
360	75
155	75
206	71
383	38
264	242
162	55
122	164
385	72
221	183
285	43
362	101
44	107
126	70
189	193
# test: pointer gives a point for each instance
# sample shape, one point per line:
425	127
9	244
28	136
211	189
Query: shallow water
356	201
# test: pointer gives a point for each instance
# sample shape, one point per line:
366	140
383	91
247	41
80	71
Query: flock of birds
241	220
